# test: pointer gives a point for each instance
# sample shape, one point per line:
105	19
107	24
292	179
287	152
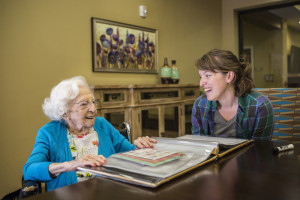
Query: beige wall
266	44
293	38
45	41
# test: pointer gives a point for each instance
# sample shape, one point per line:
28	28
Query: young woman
229	107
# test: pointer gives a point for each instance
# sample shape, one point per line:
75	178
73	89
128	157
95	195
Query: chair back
125	131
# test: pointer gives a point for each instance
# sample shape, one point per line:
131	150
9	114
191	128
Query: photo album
149	156
170	158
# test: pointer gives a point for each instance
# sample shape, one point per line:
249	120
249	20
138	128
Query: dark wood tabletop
253	172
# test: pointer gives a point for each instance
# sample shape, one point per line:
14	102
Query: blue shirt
52	146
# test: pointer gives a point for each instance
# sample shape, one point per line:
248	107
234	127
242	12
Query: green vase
175	73
165	73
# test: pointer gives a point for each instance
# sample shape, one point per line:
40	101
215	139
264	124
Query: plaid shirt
255	117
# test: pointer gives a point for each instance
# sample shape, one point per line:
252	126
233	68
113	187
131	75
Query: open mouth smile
207	90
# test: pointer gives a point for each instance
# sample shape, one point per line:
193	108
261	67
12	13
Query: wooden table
250	173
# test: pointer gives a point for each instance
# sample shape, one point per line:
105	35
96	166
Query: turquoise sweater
52	146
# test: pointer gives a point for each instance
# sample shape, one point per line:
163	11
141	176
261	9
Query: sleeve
265	121
36	167
120	143
196	118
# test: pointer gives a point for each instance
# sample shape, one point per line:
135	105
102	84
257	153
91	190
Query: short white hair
56	105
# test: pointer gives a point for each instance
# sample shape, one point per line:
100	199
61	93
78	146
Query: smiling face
82	112
215	84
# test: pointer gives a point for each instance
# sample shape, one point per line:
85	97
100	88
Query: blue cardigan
52	146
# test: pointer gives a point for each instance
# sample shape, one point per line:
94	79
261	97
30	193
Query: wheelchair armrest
30	188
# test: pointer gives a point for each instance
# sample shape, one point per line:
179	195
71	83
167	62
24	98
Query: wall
293	38
267	45
43	42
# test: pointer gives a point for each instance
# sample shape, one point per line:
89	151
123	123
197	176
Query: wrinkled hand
144	142
87	160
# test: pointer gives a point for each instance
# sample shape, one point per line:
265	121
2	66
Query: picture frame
120	47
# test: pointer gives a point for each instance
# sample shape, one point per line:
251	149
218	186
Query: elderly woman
75	137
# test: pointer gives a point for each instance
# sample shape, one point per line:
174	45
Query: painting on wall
119	47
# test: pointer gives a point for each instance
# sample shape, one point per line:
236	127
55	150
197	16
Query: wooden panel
133	99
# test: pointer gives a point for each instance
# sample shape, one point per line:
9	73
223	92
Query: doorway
271	37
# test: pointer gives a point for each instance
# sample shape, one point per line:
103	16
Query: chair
125	131
29	188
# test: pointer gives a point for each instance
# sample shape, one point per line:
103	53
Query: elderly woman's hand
87	160
144	142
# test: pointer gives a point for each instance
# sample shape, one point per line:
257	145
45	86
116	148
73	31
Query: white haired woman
74	138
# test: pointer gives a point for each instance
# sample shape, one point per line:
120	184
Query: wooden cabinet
151	110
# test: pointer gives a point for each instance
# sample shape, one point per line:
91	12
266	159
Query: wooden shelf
136	103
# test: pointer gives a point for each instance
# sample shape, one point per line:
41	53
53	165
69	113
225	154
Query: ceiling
271	19
291	14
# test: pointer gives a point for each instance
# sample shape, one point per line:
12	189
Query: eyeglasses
85	104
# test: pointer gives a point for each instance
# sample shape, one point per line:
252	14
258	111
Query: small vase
165	73
175	73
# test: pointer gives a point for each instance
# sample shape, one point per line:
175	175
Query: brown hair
225	61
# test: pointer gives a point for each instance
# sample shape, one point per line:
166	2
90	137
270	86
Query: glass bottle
175	73
165	73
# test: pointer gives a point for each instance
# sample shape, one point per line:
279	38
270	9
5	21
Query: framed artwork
119	47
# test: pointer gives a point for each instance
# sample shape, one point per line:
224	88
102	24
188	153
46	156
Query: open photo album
149	156
170	158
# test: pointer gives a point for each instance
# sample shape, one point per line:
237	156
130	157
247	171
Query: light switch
143	11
